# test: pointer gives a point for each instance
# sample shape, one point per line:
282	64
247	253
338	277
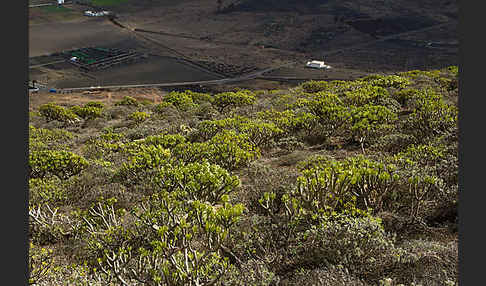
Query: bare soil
154	69
108	97
54	37
252	35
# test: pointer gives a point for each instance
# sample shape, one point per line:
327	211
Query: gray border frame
15	143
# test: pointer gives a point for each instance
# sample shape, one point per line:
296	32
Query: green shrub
387	81
165	140
127	101
106	144
162	107
328	109
87	112
229	100
372	182
192	152
231	150
423	155
181	100
447	83
96	104
143	164
431	116
405	95
43	139
284	120
260	134
227	148
46	190
178	241
418	74
353	186
454	70
51	111
369	121
62	164
138	117
197	181
368	94
40	263
199	97
208	128
314	86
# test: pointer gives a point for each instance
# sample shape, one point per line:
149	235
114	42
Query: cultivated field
47	40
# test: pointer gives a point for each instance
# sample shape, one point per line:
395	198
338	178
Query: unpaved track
46	64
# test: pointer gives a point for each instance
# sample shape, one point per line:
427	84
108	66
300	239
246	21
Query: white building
96	14
317	65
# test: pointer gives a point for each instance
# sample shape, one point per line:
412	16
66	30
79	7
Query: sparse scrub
250	188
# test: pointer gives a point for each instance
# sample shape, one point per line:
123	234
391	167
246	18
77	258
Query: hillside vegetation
328	183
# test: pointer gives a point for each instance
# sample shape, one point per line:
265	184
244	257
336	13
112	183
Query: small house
316	64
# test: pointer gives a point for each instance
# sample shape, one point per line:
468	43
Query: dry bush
292	159
332	275
433	263
258	179
117	112
251	273
96	123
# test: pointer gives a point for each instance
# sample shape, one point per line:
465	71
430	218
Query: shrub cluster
328	183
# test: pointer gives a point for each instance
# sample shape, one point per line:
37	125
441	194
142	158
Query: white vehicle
33	89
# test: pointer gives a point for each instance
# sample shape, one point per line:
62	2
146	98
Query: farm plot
156	69
98	58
